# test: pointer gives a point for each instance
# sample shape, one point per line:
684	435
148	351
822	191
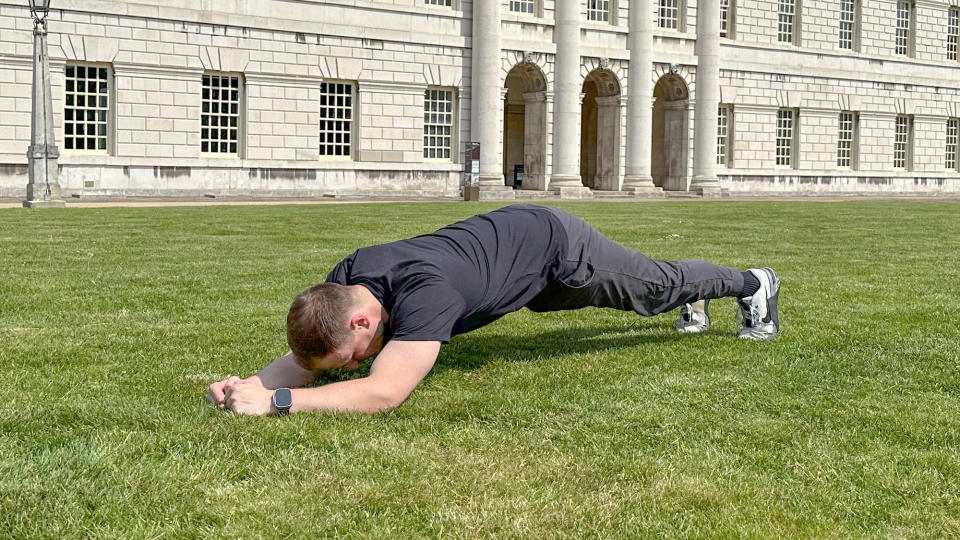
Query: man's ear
359	321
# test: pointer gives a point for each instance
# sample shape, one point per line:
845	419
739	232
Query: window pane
221	107
86	104
437	147
336	100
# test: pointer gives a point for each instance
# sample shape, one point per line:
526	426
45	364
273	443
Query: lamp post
43	188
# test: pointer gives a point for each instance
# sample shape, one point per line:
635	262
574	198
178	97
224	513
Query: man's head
331	325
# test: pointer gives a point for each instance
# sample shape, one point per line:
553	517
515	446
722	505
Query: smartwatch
282	400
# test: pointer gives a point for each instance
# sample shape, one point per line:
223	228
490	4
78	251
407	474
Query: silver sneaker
759	312
694	318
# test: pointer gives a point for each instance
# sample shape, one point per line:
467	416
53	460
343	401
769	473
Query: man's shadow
472	351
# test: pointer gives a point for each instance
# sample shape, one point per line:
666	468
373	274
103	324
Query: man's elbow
385	398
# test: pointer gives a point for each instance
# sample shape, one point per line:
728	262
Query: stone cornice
800	62
302	81
156	72
25	62
403	32
390	87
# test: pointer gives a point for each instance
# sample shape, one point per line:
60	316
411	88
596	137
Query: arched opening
671	133
600	131
525	128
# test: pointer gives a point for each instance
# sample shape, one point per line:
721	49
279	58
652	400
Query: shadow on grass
473	351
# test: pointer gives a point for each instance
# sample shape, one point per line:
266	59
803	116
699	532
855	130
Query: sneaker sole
706	313
774	298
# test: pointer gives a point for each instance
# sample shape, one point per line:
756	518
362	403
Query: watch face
282	399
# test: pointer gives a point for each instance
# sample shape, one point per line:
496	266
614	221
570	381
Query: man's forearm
285	372
360	395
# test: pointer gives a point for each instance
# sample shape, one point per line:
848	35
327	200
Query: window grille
723	135
848	16
86	108
904	16
953	131
521	6
787	19
901	142
437	123
669	14
598	10
786	119
220	114
336	119
953	33
725	26
846	140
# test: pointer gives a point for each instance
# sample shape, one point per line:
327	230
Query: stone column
705	180
43	187
486	113
640	103
566	109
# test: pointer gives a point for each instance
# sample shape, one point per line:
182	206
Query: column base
708	192
488	193
644	192
641	186
708	188
44	204
638	182
574	193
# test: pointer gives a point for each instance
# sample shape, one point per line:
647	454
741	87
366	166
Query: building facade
381	97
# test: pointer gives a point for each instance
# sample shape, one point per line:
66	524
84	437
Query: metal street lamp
43	188
39	9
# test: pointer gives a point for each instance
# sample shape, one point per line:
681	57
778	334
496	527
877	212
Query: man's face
363	348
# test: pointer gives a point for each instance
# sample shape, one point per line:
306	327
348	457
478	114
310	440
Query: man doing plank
401	301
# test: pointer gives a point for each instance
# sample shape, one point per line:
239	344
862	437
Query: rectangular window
848	18
847	140
86	109
669	18
598	10
904	27
336	119
953	33
727	18
439	3
953	131
724	139
437	123
521	6
786	131
220	114
787	21
902	141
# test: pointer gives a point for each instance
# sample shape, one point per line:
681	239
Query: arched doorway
525	127
600	131
671	134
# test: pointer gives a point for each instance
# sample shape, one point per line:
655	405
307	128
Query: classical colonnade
487	93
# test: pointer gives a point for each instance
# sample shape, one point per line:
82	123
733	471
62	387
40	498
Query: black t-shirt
461	277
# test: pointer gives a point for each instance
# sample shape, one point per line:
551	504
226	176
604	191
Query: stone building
380	97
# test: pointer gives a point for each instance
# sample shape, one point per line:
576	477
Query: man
400	301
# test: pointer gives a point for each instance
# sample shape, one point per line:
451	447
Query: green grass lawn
593	423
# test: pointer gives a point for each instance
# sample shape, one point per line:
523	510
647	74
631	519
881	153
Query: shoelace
755	317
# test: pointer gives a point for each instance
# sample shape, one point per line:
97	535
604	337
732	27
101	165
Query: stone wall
392	51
